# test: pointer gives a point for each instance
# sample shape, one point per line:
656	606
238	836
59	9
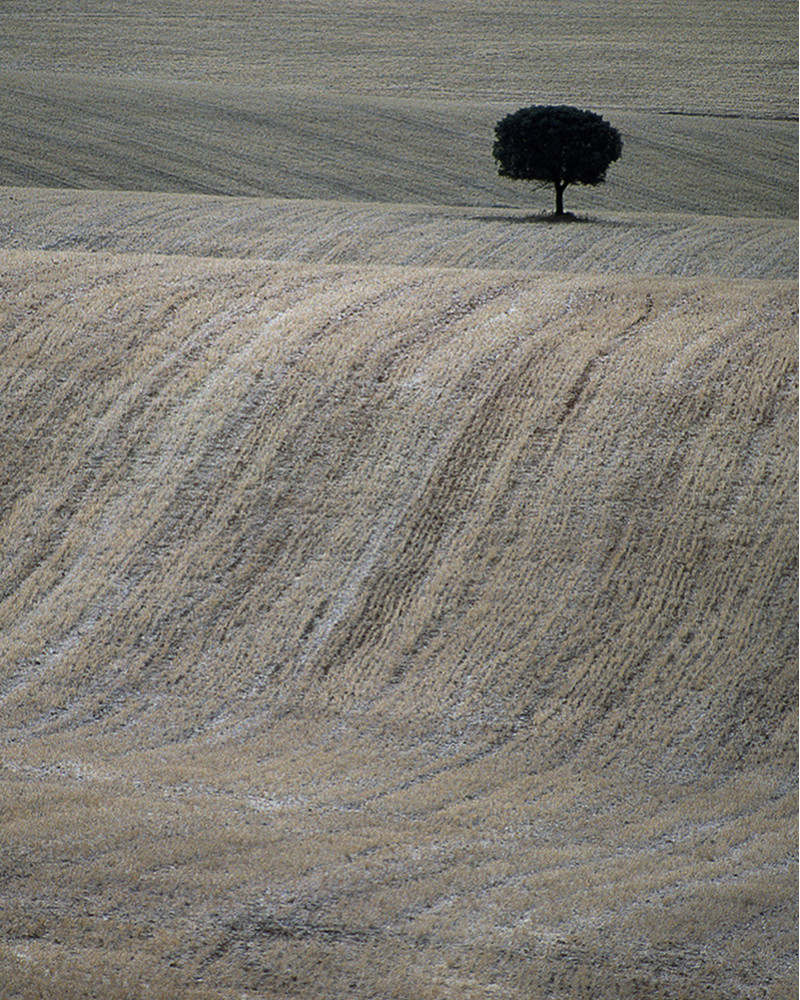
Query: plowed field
398	592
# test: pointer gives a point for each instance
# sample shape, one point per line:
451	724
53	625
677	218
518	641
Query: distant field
349	101
398	591
673	57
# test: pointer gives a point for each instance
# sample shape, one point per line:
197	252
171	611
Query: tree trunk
560	198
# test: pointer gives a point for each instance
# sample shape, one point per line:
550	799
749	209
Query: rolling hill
398	592
368	233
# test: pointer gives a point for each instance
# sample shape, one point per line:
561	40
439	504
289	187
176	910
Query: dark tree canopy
559	145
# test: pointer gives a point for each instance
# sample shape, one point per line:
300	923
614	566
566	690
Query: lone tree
558	145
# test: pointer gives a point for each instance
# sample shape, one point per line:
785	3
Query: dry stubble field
398	594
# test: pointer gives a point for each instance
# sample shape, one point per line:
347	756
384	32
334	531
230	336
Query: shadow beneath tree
547	219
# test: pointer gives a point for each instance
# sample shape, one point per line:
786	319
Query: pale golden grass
397	632
192	874
421	235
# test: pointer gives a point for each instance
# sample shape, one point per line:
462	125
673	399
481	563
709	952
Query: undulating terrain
398	590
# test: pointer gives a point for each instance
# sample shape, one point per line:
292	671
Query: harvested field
398	592
687	245
291	100
442	622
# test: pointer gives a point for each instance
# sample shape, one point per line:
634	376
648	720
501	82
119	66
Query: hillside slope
404	631
81	131
417	235
398	592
